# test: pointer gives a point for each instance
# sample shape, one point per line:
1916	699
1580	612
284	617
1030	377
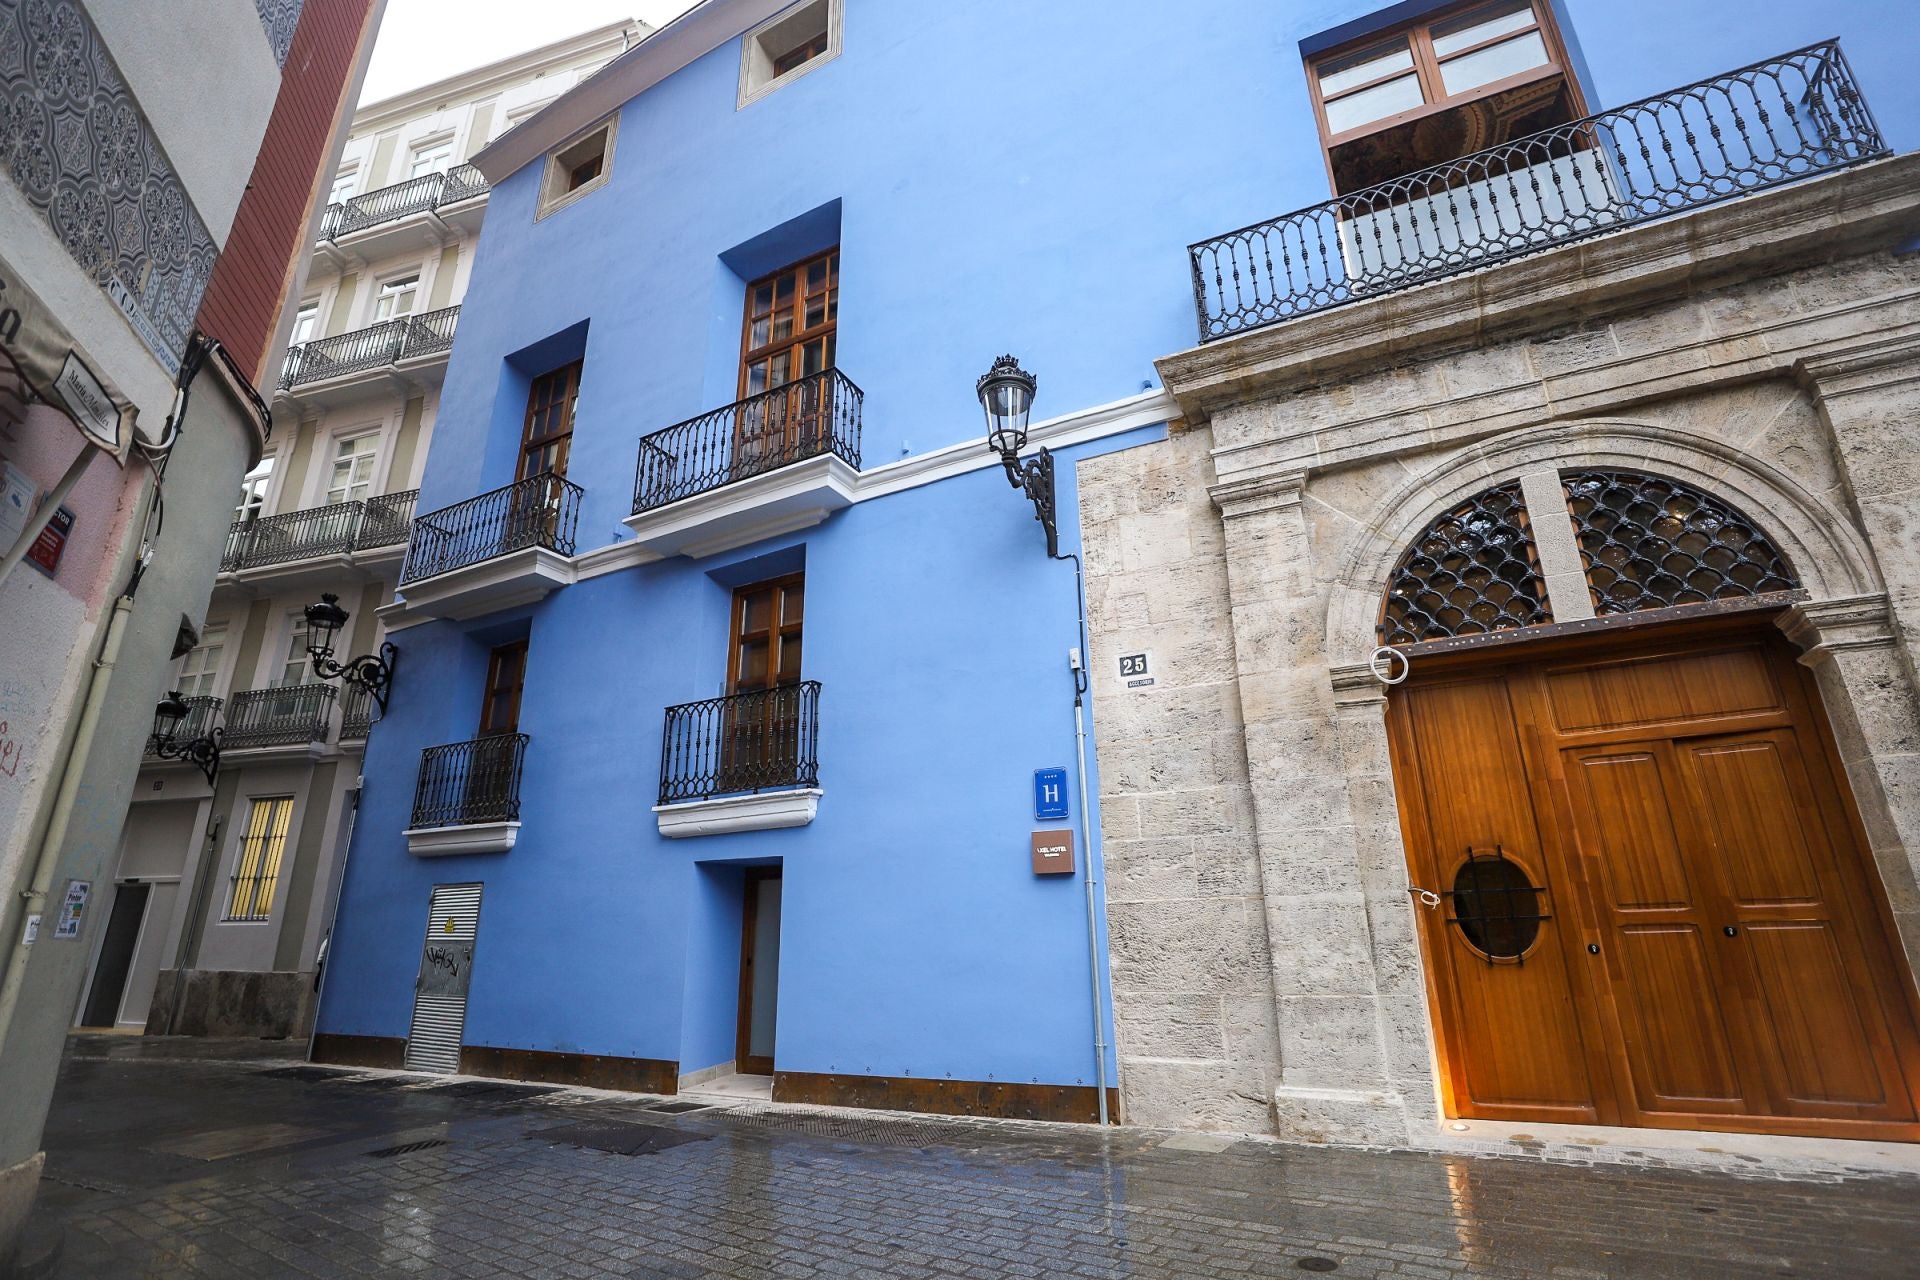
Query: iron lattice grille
1496	907
1651	543
1472	570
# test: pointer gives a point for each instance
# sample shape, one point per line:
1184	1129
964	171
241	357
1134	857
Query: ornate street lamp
374	674
204	752
1006	393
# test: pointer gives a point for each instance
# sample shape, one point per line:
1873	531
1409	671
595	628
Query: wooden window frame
776	630
497	658
1418	36
529	442
800	337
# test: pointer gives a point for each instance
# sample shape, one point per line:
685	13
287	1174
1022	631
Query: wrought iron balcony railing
389	204
762	741
202	712
286	716
803	419
318	531
1774	122
540	511
387	520
357	712
374	347
470	782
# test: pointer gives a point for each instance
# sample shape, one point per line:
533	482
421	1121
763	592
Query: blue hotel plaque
1049	794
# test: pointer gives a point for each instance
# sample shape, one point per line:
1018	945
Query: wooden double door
1647	902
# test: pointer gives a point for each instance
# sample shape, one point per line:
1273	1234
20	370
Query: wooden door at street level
1653	905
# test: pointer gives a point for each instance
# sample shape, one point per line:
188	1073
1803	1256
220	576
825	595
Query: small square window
580	166
788	46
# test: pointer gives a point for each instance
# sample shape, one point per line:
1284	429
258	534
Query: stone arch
1819	540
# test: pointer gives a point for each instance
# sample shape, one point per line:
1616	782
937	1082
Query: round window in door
1496	905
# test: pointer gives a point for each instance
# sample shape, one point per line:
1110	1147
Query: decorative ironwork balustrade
430	333
803	419
1774	122
541	511
470	782
403	199
358	711
318	531
374	347
464	182
299	535
202	713
387	520
286	716
761	741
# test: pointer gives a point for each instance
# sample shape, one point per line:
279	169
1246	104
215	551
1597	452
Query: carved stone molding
1355	685
1821	628
1868	368
1257	494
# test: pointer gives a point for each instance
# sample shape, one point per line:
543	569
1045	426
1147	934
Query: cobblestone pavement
208	1158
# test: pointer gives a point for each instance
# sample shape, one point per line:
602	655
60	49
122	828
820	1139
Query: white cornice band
1148	408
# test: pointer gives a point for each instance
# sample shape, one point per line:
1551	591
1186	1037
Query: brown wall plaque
1053	853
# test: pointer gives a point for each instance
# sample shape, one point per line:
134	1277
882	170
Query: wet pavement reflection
208	1158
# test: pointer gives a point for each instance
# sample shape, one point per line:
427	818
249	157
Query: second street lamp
369	672
1006	393
204	751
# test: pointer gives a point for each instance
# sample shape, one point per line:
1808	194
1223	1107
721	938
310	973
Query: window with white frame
581	166
199	673
345	184
788	46
578	167
305	322
253	491
256	863
431	157
296	668
396	298
353	462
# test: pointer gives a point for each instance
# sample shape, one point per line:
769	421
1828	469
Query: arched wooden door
1651	901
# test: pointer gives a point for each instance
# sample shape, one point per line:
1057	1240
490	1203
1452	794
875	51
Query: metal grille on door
446	967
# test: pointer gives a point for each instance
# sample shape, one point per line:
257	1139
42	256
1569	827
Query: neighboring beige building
240	877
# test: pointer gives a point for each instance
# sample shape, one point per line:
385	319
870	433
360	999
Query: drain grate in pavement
408	1148
884	1133
679	1108
620	1139
308	1073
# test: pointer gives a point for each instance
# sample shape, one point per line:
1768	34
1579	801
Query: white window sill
477	837
768	811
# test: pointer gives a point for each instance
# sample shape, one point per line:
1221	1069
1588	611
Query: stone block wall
208	1002
1191	964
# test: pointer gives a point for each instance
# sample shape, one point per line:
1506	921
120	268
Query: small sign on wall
1053	853
73	908
47	549
1136	669
1049	795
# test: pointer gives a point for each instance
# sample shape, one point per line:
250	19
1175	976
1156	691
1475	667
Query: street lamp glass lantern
1006	393
323	620
167	715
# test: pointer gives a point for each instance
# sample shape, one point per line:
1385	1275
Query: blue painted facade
1000	175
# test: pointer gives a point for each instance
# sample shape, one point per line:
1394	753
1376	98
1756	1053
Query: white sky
421	41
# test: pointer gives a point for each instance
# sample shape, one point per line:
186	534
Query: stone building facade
1269	966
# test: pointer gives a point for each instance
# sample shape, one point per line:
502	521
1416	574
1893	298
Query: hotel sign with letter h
1049	795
